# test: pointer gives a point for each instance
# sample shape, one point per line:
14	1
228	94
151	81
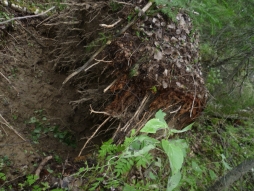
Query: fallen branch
26	17
233	175
4	122
147	6
93	136
43	162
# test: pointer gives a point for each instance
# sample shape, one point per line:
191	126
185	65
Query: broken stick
42	164
4	122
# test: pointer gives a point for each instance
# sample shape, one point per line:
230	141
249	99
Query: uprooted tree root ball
152	65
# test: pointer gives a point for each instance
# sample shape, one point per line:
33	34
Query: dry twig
100	112
110	26
4	122
193	102
110	85
98	61
26	17
4	131
43	162
93	136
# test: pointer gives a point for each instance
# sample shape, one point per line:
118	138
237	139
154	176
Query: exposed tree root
26	17
148	5
41	165
92	136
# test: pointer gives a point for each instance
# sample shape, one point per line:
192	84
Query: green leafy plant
115	6
30	180
137	153
42	127
2	176
4	161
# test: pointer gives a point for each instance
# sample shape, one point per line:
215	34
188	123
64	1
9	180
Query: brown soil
32	89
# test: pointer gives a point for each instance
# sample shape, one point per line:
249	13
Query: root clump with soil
152	65
124	66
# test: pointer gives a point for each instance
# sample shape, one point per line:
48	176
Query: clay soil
30	89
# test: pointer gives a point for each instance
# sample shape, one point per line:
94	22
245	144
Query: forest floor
34	102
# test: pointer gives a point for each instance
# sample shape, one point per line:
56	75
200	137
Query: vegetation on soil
41	127
160	158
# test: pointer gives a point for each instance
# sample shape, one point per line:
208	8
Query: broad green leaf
153	125
37	130
175	154
128	188
146	149
182	143
183	130
81	170
135	145
146	139
2	176
212	175
143	151
173	181
196	167
32	120
158	162
160	115
225	164
152	176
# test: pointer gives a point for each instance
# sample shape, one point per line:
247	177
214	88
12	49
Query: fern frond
108	148
123	166
144	160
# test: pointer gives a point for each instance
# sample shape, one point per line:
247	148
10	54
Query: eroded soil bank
34	103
